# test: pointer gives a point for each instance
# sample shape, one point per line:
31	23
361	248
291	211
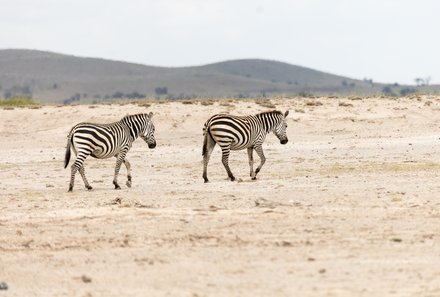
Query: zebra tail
207	135
67	156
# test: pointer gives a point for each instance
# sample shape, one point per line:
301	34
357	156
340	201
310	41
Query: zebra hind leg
83	175
208	147
225	161
73	171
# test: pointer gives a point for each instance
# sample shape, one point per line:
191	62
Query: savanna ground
349	207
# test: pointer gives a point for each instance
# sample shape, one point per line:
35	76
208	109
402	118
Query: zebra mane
270	112
131	116
133	121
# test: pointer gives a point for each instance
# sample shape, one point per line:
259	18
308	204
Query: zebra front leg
251	162
225	161
128	166
83	175
119	159
259	150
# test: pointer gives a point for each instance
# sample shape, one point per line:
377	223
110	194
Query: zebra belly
101	155
238	146
95	152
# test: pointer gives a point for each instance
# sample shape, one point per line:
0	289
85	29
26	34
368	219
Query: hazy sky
386	40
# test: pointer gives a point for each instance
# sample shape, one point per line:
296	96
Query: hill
55	78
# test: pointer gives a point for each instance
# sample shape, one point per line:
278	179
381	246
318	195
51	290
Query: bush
407	91
18	101
387	91
161	91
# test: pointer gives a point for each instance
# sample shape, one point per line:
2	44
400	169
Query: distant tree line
345	84
25	91
122	95
388	90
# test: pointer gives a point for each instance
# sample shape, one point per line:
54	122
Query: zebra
240	132
103	141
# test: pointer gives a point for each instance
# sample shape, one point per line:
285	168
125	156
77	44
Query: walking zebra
103	141
240	132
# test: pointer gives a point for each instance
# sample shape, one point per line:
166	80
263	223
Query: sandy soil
349	207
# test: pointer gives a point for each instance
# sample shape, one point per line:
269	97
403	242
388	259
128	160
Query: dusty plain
349	207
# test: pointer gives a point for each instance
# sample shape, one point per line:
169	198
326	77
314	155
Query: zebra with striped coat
103	141
240	132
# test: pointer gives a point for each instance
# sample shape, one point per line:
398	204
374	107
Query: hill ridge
55	78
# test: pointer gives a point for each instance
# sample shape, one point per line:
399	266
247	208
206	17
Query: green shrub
18	101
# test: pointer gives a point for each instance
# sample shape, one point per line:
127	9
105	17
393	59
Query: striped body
103	141
240	132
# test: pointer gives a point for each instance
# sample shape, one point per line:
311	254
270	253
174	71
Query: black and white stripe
107	140
240	132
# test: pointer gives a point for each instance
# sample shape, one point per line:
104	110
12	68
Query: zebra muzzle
283	141
151	145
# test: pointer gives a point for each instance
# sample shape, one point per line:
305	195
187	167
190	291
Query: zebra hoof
232	178
89	188
254	178
206	181
128	183
70	190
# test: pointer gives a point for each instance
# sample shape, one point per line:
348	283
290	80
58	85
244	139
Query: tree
427	80
419	81
161	91
407	91
387	91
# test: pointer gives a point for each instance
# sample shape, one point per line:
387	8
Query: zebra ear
150	115
286	113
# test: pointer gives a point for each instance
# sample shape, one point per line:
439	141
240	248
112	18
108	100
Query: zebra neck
267	121
134	133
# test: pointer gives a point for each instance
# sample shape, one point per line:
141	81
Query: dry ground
349	207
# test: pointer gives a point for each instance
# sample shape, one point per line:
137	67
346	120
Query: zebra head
147	133
280	128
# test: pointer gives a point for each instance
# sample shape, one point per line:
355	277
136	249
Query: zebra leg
208	148
119	159
128	166
83	175
259	150
73	171
77	165
225	161
251	162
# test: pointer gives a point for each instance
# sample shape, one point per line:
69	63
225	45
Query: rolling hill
55	78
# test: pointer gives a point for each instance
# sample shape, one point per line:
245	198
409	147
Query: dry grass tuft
267	103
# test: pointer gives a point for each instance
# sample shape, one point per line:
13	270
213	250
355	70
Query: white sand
349	207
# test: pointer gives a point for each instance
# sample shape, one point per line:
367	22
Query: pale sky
386	40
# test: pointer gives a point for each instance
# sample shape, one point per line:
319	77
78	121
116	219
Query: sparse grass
380	167
189	102
267	103
313	103
207	102
227	104
18	101
345	104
